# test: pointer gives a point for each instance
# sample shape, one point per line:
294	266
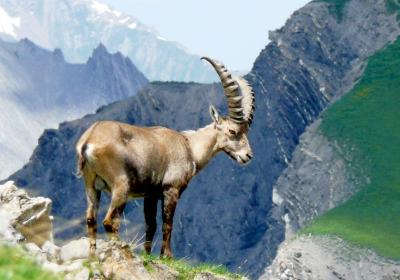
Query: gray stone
52	251
208	276
75	250
328	258
119	263
161	271
29	216
84	274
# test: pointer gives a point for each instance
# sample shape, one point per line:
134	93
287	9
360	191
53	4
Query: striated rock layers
315	181
318	178
226	215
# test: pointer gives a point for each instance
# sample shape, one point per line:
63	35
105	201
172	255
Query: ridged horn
238	92
231	89
248	101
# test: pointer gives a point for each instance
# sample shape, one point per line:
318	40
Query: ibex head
233	129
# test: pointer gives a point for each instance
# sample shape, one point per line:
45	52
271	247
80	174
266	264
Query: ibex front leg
93	199
150	215
170	199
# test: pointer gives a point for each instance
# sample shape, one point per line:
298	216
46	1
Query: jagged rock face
301	258
226	215
315	181
29	217
39	90
78	26
312	60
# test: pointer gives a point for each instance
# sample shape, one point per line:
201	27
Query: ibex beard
157	163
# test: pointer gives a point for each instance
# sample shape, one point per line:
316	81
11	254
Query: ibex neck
203	145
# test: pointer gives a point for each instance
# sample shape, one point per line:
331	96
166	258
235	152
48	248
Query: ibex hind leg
119	196
93	199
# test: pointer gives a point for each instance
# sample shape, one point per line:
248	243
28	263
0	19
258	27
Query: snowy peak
105	13
101	8
9	25
78	26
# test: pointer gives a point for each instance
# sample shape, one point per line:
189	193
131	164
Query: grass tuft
16	265
186	270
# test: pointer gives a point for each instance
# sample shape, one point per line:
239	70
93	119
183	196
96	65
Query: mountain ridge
57	24
39	90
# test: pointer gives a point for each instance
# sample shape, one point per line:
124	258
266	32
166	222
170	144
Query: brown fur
154	163
157	163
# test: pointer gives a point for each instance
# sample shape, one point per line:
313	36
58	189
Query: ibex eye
232	132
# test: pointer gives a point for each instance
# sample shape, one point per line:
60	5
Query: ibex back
157	163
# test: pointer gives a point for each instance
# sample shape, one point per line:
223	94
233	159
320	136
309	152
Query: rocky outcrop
226	215
315	181
25	222
328	258
25	218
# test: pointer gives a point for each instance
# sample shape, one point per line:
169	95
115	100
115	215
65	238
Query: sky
232	31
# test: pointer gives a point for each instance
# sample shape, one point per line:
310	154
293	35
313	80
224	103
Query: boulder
118	262
209	276
75	250
28	216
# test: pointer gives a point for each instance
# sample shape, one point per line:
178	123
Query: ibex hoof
92	253
166	255
113	237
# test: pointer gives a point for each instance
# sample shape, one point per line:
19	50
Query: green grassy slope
368	119
15	265
337	6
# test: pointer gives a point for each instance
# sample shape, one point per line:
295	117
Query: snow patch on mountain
9	25
101	8
78	26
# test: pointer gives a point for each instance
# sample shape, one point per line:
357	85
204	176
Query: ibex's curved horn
238	92
248	101
231	89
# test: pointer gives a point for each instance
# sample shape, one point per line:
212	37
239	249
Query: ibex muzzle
157	163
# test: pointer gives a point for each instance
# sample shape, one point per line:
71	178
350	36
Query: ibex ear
214	114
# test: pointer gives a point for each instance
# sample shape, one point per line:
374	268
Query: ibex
157	163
